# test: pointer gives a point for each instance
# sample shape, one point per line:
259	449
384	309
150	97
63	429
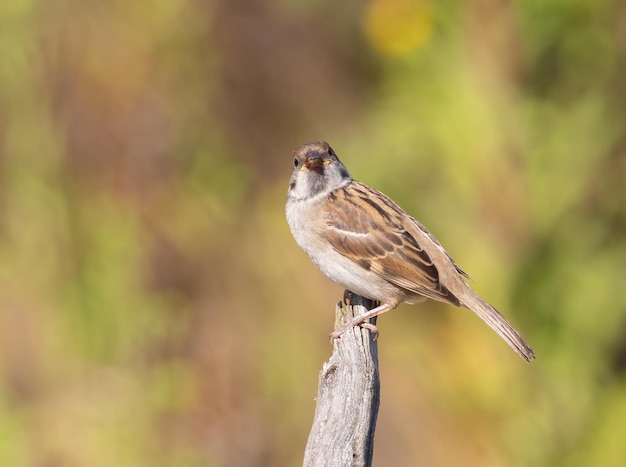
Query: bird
364	242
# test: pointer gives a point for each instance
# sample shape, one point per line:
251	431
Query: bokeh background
154	309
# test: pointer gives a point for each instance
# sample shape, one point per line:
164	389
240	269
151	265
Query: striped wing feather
374	232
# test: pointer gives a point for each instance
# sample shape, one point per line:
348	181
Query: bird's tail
498	323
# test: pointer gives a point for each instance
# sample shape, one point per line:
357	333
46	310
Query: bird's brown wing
374	232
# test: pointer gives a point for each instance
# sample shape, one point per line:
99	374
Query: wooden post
348	395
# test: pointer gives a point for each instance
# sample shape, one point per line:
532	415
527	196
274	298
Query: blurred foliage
154	309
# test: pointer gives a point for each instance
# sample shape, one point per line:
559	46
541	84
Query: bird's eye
331	152
296	163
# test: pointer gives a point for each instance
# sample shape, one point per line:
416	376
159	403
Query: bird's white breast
307	224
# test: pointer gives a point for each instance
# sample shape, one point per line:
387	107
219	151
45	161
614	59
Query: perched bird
364	242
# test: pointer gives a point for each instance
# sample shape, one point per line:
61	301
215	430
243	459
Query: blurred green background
154	309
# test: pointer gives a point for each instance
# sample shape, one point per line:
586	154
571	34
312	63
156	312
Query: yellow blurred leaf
397	27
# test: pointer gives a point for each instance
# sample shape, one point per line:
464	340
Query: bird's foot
358	321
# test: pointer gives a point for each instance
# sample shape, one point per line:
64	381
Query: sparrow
364	242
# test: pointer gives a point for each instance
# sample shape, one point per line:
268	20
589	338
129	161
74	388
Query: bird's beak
313	163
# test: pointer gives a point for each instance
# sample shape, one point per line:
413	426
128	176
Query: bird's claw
337	333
